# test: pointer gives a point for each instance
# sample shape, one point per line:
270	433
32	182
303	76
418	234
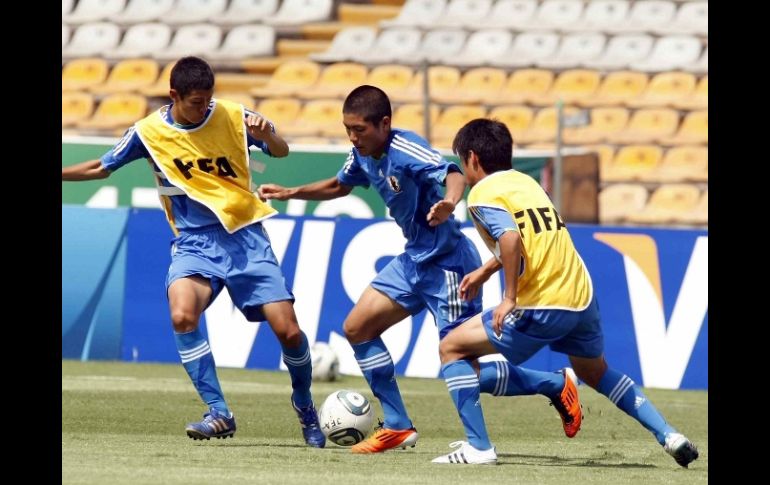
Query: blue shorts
433	284
568	332
243	262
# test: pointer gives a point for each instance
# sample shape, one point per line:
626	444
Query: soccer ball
346	417
326	365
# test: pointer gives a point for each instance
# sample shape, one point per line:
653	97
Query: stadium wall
652	286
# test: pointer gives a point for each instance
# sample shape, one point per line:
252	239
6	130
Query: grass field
124	423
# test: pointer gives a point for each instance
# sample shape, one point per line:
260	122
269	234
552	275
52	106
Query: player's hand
440	212
273	191
469	286
258	127
503	309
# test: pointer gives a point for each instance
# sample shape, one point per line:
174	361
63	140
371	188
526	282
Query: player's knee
448	351
184	320
354	333
289	335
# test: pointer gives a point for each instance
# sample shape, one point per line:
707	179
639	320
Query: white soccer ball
346	417
326	365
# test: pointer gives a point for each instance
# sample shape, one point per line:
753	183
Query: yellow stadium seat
391	78
665	89
116	111
604	123
288	79
237	97
699	215
618	201
632	162
318	117
617	88
336	81
694	130
647	125
571	86
544	125
75	106
516	118
440	79
686	163
451	120
521	86
667	204
161	87
280	111
127	76
474	85
699	99
411	116
83	73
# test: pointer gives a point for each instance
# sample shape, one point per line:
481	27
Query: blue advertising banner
652	287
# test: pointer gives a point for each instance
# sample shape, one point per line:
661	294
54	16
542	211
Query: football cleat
682	449
568	405
466	454
386	439
311	430
214	425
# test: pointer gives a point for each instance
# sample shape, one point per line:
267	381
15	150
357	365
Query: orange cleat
568	404
386	439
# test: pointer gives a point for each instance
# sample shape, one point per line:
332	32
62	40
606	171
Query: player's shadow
551	460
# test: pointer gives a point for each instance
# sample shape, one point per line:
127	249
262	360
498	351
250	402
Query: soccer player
198	150
548	297
408	174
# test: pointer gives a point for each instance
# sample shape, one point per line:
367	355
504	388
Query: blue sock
196	357
621	390
378	369
463	386
301	371
501	378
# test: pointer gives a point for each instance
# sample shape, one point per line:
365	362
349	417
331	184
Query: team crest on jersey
393	181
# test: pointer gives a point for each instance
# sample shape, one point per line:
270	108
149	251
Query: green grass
124	423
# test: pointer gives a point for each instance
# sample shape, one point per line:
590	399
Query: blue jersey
408	177
188	214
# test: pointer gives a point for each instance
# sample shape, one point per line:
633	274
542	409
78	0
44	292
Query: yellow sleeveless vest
210	164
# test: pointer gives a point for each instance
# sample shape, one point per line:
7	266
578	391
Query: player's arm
262	130
330	188
510	256
90	170
441	210
469	286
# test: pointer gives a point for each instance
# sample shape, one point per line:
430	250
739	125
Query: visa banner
652	287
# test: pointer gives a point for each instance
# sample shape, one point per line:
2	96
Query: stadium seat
473	86
391	45
138	11
240	12
191	40
686	163
238	97
575	50
616	88
463	13
606	154
162	85
280	111
298	12
66	7
368	13
667	203
129	75
91	40
336	81
599	16
647	125
440	79
604	123
193	11
701	65
141	40
417	13
645	16
318	117
92	11
694	130
245	41
411	116
544	125
618	201
115	112
65	34
571	87
670	53
508	14
622	50
665	89
450	121
699	215
346	44
632	162
521	87
557	14
391	78
527	49
691	18
80	74
289	78
481	48
516	118
698	99
436	45
75	106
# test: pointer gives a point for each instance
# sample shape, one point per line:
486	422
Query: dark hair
369	102
191	73
490	140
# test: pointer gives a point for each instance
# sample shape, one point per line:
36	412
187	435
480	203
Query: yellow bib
210	164
554	275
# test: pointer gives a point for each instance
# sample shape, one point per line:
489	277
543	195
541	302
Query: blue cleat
311	430
214	425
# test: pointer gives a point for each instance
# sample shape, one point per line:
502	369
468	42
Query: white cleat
465	454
